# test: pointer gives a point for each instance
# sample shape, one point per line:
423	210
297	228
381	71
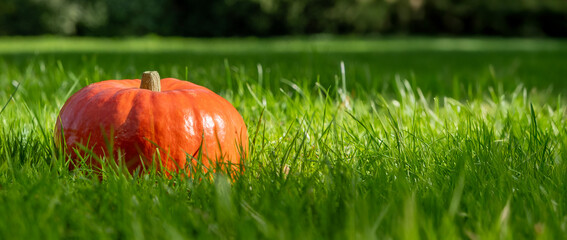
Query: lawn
349	139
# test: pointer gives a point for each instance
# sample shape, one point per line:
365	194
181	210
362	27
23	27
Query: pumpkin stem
151	81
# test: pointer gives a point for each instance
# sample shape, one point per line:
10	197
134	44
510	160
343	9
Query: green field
416	138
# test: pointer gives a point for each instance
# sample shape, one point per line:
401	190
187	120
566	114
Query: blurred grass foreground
221	18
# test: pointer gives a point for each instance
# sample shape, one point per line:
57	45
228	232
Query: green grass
419	138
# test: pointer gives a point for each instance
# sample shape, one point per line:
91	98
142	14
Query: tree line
226	18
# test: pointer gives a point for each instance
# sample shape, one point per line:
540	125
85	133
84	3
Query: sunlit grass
321	43
457	145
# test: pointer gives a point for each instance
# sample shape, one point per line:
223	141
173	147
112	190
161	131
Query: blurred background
228	18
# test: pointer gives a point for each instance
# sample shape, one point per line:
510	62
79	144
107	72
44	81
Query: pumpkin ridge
77	124
128	115
174	142
102	99
97	96
201	134
131	128
118	93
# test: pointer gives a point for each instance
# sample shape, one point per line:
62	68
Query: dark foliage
215	18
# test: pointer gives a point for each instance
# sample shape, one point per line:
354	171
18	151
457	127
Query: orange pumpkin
180	120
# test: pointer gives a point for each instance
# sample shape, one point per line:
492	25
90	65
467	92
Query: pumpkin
172	122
